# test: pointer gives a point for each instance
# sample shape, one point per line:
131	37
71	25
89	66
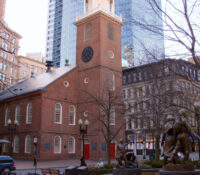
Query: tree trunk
108	153
157	148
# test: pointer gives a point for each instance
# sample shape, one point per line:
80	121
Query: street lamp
35	141
12	129
83	132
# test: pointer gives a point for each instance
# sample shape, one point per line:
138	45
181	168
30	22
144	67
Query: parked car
7	164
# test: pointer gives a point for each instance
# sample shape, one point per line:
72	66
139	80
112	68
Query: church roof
36	83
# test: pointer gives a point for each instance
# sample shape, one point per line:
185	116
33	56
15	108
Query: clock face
87	54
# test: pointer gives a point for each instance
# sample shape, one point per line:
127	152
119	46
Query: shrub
146	166
154	163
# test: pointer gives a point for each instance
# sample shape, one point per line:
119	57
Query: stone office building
50	105
153	91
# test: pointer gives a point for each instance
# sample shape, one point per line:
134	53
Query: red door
87	151
112	150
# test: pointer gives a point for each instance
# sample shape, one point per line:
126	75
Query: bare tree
109	114
181	26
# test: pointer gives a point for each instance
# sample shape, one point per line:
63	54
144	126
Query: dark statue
125	159
177	140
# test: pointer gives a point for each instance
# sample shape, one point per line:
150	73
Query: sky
29	19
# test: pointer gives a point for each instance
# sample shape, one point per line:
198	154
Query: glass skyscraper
61	32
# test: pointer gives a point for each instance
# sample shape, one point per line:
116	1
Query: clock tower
98	56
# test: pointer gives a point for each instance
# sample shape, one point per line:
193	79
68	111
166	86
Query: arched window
17	114
57	144
110	32
28	144
111	81
71	145
5	146
72	115
7	116
58	113
29	113
16	144
88	31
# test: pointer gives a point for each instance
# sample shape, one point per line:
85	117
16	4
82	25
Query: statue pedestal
195	172
127	171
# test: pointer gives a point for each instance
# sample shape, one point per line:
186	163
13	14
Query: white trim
60	118
26	139
74	115
14	145
27	113
60	143
18	106
74	145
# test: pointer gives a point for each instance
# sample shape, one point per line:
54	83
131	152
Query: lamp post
12	129
35	141
197	116
83	132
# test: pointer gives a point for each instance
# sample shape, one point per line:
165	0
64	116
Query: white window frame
17	114
71	145
5	146
16	144
59	149
111	81
74	115
60	113
112	116
29	115
27	143
7	115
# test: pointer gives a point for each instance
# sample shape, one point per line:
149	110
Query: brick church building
50	105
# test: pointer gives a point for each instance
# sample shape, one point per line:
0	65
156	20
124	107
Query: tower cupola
92	7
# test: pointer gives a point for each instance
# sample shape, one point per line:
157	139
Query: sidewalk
27	164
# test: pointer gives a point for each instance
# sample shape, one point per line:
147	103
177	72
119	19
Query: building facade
154	91
51	105
61	33
9	45
28	67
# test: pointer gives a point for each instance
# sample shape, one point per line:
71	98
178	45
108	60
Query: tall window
57	144
71	145
111	81
5	146
28	144
112	116
72	114
17	114
29	114
7	116
110	32
88	31
58	113
16	144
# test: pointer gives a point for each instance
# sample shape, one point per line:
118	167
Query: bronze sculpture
125	159
177	138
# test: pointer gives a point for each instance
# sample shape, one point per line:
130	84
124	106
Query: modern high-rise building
61	32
